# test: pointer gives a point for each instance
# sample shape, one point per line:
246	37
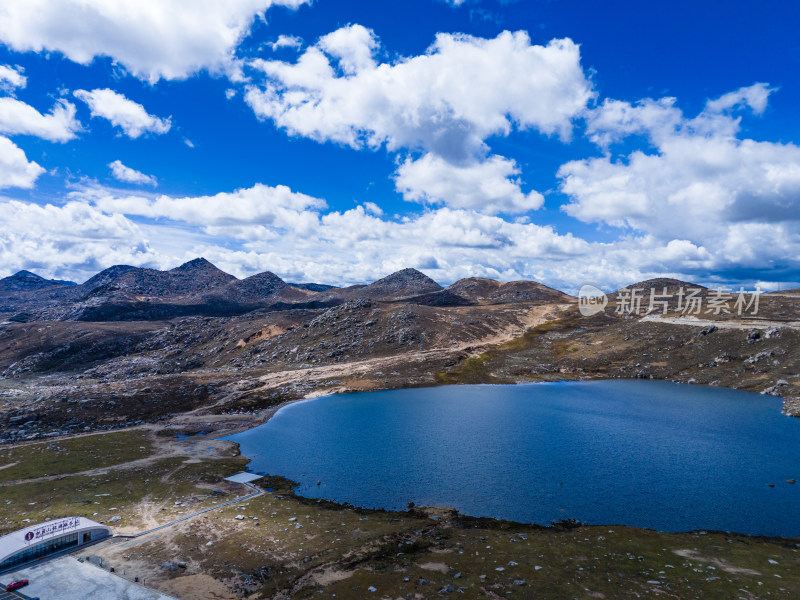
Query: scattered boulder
775	389
708	329
753	336
721	359
759	356
791	407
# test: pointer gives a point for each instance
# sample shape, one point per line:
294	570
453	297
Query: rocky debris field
66	377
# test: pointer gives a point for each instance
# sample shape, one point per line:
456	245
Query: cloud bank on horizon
279	139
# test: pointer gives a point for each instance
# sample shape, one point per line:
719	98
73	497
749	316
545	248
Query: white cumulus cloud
152	39
19	118
261	206
12	77
15	169
126	114
661	119
352	46
286	41
755	96
447	100
128	175
491	185
738	199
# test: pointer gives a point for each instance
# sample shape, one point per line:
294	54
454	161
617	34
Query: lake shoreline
702	484
791	405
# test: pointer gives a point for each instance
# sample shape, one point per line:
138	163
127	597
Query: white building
38	541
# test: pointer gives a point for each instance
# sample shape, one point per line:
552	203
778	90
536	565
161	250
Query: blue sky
568	142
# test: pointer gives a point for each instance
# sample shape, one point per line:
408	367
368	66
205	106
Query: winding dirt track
733	324
535	316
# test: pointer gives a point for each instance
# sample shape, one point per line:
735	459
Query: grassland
70	455
122	474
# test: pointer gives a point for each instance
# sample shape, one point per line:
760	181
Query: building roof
24	538
243	477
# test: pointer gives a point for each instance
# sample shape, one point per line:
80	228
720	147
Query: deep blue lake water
643	453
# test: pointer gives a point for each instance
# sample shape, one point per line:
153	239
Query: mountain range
197	287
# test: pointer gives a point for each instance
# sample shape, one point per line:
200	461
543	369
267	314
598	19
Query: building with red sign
44	539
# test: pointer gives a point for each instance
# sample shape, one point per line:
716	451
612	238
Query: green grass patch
62	457
163	482
472	370
530	338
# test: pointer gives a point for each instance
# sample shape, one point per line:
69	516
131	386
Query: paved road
16	595
66	578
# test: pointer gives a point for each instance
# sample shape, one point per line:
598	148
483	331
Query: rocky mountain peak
257	286
659	283
265	277
198	275
25	276
106	276
197	264
480	290
406	280
25	280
